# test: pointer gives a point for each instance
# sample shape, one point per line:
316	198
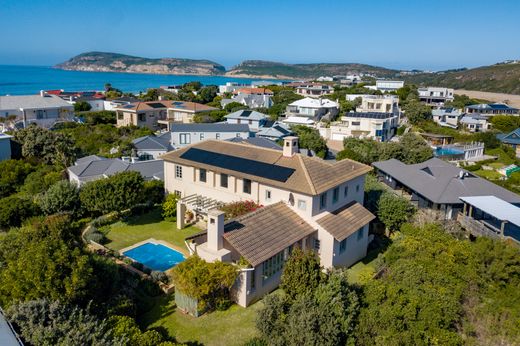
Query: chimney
290	146
215	229
42	93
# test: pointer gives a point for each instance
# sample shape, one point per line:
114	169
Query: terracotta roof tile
345	221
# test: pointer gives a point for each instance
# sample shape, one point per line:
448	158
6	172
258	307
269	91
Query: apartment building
379	104
314	90
313	109
435	96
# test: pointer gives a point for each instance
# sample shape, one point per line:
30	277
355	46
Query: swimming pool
155	256
448	152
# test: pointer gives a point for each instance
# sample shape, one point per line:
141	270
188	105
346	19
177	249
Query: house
186	134
308	203
230	87
111	105
273	130
491	109
253	91
387	85
94	167
5	146
252	101
447	117
295	121
379	103
475	123
490	216
254	119
95	99
43	109
375	125
157	114
151	147
313	109
438	185
512	139
314	90
257	141
435	96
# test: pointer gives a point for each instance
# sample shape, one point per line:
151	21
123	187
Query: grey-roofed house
475	123
186	134
95	167
438	185
42	109
5	146
492	109
151	147
250	100
512	139
252	118
274	131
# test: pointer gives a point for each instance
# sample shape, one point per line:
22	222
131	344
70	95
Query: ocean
26	80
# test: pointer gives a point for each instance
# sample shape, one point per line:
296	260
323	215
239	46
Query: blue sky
399	34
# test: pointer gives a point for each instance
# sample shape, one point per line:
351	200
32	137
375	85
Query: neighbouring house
42	109
512	139
95	167
435	96
250	101
111	105
95	99
447	117
435	139
273	130
386	85
229	87
253	91
186	134
314	90
491	109
379	104
5	146
490	216
159	114
253	119
313	109
294	120
151	147
438	185
307	202
257	141
475	123
375	125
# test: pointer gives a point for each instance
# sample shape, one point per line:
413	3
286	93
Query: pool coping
153	241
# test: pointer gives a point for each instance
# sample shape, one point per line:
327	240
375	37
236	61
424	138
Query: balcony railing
477	228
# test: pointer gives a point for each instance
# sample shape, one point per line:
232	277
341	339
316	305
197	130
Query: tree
100	117
414	149
301	274
461	101
41	322
489	139
207	94
13	175
154	191
115	193
394	210
310	139
40	180
82	106
416	111
125	328
234	106
14	210
169	207
63	196
505	123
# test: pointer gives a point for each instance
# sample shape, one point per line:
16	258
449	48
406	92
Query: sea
27	80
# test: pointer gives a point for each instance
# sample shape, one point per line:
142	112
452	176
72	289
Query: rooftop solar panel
156	105
246	166
246	113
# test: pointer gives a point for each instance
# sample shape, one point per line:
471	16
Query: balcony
478	228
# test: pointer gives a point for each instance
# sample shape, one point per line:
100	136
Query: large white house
379	103
387	85
375	125
308	203
435	95
313	109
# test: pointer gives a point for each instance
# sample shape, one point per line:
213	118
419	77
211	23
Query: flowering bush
236	209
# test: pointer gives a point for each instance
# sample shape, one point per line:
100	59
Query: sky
429	35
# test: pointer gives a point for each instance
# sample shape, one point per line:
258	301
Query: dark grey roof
247	114
161	142
257	141
8	336
211	127
439	181
99	168
370	115
493	106
89	158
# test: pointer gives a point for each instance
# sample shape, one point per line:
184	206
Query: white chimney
290	146
215	229
42	93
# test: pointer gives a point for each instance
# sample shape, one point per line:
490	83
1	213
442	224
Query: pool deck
153	241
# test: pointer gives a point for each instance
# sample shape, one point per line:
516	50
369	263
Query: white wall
195	137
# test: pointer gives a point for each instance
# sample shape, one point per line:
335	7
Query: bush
14	210
82	106
154	191
169	207
137	265
236	209
394	210
159	276
96	237
60	197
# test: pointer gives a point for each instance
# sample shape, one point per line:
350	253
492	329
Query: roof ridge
306	173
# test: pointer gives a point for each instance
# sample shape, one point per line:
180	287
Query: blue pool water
447	152
155	256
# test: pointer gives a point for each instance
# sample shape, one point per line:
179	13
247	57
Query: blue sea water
155	256
26	80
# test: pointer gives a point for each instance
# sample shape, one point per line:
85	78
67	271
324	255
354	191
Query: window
345	191
178	172
302	205
217	136
120	116
185	138
238	135
177	193
224	180
250	122
323	200
342	245
253	283
202	175
141	117
273	265
268	195
357	188
201	136
247	186
356	123
335	195
360	233
317	244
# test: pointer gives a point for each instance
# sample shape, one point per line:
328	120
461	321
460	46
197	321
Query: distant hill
265	69
500	78
113	62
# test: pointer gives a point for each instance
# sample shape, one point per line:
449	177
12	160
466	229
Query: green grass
496	165
490	175
231	327
141	227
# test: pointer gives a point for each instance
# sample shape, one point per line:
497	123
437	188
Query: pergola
196	203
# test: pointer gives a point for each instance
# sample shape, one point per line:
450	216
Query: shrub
60	197
394	210
154	191
137	265
169	207
236	209
14	210
159	276
96	237
302	273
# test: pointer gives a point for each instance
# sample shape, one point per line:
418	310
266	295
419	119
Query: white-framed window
178	172
342	245
268	195
201	136
202	175
360	233
223	180
217	135
302	204
247	186
274	264
185	138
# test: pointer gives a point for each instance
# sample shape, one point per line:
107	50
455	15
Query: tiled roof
265	232
253	91
345	221
177	105
311	175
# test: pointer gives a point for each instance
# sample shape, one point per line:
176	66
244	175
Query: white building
253	119
229	87
475	123
379	103
435	96
313	109
387	85
314	90
43	109
447	117
378	126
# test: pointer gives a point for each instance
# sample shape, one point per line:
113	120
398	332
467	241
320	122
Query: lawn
141	227
234	326
490	175
365	269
